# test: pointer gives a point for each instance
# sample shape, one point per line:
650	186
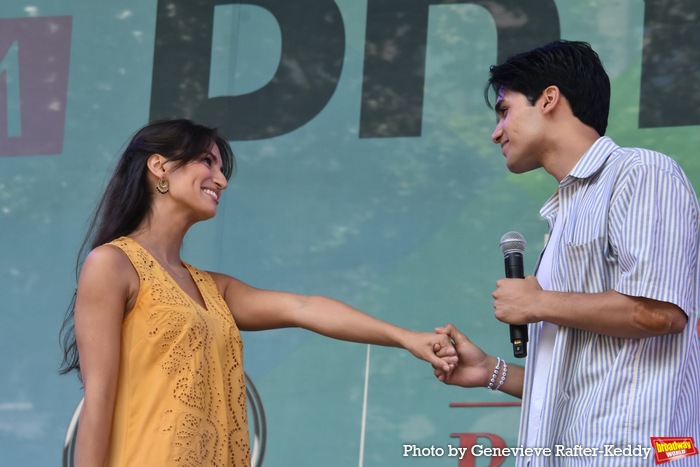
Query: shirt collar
592	160
590	163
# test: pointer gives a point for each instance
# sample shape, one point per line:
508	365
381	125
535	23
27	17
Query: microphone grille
512	242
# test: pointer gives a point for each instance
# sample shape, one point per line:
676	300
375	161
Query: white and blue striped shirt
629	223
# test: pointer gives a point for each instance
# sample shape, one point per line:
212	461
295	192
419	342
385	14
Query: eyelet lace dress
181	397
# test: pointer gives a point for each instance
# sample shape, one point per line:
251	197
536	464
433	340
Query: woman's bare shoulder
109	265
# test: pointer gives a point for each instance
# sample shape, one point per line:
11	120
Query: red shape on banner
34	62
468	440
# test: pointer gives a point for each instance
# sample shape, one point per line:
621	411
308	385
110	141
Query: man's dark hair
574	67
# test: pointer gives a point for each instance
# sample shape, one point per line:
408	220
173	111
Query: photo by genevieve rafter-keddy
663	449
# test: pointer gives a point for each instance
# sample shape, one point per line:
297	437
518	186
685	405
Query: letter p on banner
668	448
34	56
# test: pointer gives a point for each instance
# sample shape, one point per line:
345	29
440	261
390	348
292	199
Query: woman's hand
436	349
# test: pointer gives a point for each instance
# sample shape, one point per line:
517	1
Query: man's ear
550	98
156	165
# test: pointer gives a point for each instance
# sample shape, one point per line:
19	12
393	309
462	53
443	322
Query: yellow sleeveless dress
181	397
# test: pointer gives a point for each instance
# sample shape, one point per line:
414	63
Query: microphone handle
514	265
518	333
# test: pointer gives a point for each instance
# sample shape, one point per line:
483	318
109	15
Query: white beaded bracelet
495	373
503	376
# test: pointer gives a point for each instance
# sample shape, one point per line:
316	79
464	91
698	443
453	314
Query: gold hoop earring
163	186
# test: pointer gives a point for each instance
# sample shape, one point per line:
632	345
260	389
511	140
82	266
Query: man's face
519	131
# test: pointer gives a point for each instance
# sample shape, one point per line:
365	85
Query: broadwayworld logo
668	449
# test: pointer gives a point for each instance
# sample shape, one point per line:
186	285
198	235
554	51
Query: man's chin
520	168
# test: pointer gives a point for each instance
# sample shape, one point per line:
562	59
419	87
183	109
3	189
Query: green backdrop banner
366	173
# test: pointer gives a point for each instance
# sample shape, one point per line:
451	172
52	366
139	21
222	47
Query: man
612	310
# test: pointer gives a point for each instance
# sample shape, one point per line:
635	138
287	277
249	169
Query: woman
155	340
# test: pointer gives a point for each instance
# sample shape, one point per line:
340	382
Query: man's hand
515	301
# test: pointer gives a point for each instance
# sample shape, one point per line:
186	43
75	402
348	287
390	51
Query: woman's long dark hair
127	199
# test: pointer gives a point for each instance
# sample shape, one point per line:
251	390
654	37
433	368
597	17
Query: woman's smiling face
199	184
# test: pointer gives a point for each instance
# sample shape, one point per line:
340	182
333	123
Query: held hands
436	349
474	367
515	301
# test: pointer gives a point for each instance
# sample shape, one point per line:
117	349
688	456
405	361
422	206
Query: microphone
512	246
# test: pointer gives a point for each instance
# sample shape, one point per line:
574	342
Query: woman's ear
156	165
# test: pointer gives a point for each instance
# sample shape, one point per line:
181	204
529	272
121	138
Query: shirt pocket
584	267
